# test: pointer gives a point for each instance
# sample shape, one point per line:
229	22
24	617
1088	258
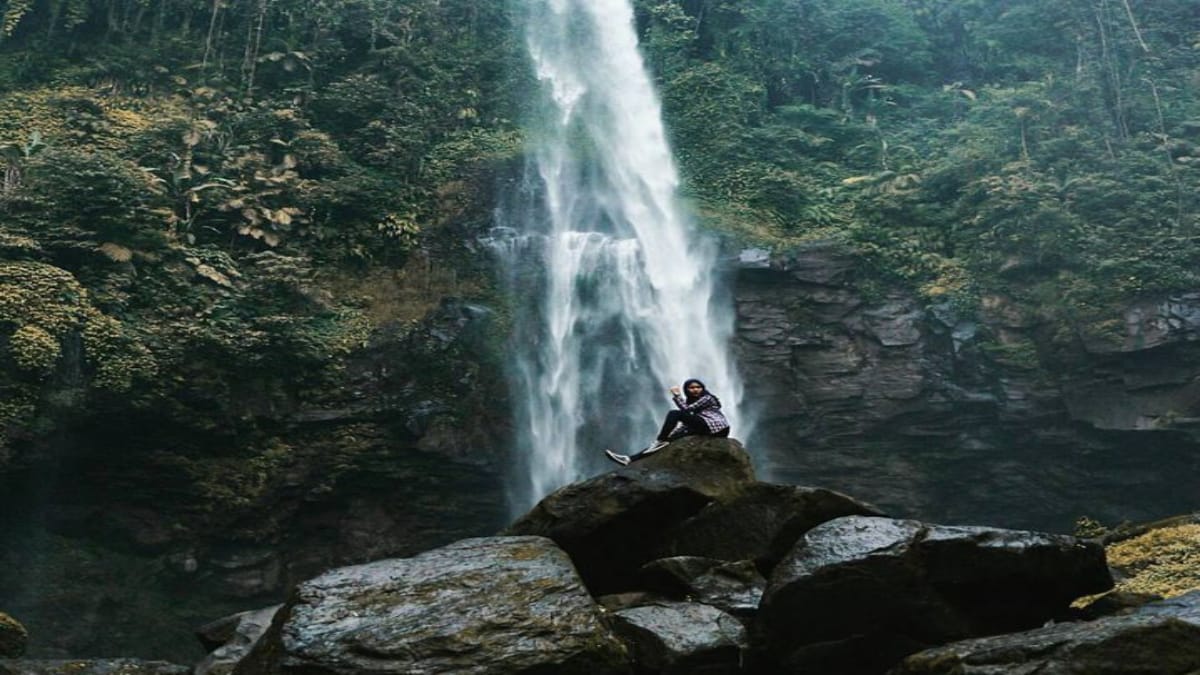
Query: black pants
693	423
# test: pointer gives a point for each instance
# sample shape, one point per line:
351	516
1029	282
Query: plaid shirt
707	407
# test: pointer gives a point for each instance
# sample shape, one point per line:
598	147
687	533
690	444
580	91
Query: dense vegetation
198	190
197	193
1048	150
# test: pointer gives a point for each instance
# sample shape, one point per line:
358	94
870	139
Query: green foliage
959	145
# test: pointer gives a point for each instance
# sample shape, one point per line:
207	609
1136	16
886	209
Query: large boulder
614	523
1162	638
489	605
13	637
91	667
761	523
678	638
857	594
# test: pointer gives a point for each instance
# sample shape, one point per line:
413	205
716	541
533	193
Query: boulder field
685	563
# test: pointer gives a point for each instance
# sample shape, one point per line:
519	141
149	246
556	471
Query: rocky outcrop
498	605
1161	638
857	594
13	637
1003	415
614	523
852	596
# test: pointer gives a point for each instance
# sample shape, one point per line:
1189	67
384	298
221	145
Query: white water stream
616	293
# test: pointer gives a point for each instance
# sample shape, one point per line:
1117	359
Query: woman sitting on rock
697	413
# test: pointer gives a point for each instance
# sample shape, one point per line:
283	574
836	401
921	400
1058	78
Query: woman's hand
676	391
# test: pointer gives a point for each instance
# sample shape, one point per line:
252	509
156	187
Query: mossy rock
13	637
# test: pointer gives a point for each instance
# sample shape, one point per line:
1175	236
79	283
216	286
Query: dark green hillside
1051	150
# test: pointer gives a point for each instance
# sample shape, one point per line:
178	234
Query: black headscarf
688	396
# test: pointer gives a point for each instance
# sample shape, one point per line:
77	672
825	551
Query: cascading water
615	295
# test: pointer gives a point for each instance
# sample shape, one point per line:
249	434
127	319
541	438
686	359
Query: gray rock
244	631
1162	638
677	638
614	523
734	587
490	605
90	667
760	524
857	594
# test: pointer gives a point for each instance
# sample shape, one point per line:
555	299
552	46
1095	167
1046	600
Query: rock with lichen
487	605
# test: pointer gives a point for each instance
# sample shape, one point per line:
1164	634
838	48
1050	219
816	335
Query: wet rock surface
858	593
676	638
760	523
614	523
1161	638
491	605
733	587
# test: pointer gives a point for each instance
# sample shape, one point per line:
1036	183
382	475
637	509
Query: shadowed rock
857	594
675	638
614	523
761	523
1162	638
234	637
491	605
734	587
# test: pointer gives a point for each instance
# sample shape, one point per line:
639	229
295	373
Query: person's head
693	389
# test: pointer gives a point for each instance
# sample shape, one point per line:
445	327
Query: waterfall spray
615	293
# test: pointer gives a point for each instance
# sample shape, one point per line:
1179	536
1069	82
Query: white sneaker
623	460
655	447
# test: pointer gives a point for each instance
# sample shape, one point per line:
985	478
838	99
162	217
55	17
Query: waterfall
614	293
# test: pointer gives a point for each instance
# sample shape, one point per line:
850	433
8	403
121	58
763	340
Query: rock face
858	593
498	605
1161	638
1005	416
